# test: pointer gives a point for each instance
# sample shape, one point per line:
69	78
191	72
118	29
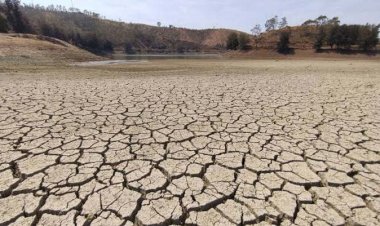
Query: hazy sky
236	14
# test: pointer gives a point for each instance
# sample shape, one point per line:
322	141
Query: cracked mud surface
293	143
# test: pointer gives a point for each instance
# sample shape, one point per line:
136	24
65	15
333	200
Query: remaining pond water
164	56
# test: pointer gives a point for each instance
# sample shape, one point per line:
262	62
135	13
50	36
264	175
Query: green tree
322	20
243	41
283	24
15	17
233	41
128	48
320	39
256	32
271	24
368	37
108	46
3	25
310	23
334	21
283	43
332	35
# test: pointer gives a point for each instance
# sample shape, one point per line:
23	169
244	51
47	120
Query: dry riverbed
198	142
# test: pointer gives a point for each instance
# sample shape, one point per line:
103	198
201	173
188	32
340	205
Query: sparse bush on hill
238	41
256	32
321	36
108	46
128	48
271	24
283	43
3	25
243	41
283	24
233	41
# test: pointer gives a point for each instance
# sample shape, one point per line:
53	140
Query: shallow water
109	62
120	56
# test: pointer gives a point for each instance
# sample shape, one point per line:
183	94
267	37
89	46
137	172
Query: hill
76	26
301	37
89	31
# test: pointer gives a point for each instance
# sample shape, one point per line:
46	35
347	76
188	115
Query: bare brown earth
27	48
196	142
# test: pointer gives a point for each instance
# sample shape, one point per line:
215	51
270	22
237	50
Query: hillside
301	37
33	48
89	31
138	37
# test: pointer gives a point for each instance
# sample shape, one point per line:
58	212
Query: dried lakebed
292	144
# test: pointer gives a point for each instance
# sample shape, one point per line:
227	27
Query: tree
9	11
271	24
310	23
256	32
15	17
108	46
321	36
243	41
334	21
283	23
232	41
368	37
321	20
332	35
283	44
128	48
159	24
3	25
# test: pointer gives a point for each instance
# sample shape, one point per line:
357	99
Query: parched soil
207	142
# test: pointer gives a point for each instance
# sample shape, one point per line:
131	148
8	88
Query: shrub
233	41
243	41
3	25
283	44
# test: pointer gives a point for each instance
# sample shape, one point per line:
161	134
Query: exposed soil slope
15	47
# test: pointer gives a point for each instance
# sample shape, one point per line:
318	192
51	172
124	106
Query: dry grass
23	49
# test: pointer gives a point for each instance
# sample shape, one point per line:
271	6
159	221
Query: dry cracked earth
293	143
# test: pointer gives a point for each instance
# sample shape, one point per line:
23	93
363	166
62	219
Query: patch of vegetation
343	37
238	41
14	17
283	43
3	24
233	41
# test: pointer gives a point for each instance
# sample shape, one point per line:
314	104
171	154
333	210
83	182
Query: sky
235	14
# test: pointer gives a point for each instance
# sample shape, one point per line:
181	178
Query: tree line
331	33
343	37
324	32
